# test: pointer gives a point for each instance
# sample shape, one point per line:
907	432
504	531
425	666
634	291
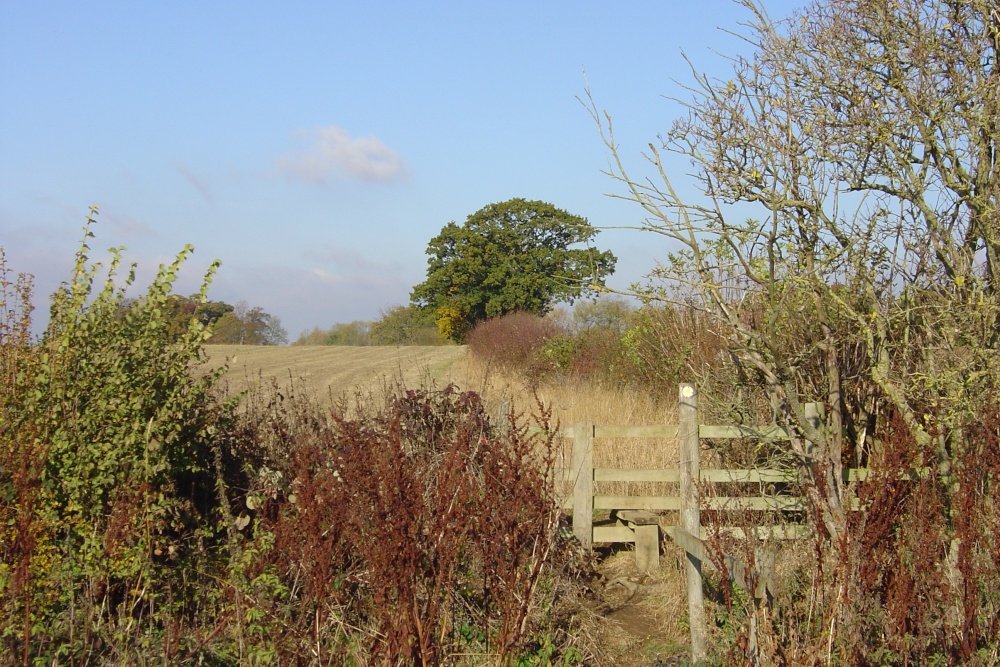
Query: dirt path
645	615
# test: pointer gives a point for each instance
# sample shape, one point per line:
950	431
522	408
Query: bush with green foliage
608	342
406	325
179	310
105	469
246	325
352	333
399	325
606	312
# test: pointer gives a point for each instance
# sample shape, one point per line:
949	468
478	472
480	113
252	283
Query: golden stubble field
333	371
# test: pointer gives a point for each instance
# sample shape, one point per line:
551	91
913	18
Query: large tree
865	133
515	256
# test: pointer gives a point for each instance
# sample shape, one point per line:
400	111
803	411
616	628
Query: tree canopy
513	256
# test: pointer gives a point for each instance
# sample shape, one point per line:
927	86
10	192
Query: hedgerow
145	518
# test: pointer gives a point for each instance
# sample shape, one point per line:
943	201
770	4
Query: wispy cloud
334	153
195	182
325	276
127	227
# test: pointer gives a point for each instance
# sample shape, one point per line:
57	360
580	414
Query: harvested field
325	371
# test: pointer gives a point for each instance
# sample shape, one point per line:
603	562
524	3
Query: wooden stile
633	519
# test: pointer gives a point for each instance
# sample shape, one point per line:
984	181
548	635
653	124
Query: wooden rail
584	501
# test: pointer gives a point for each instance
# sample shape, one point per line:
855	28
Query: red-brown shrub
416	525
514	342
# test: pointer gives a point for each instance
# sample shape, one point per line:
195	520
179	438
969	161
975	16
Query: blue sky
316	147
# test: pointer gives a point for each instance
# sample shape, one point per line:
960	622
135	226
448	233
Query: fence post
583	489
687	435
813	417
503	416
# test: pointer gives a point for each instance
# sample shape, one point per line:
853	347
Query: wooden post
503	416
583	489
813	417
647	547
645	527
687	435
766	561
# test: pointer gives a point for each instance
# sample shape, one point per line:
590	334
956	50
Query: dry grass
631	629
573	402
653	617
325	371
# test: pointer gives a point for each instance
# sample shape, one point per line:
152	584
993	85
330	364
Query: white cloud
334	153
327	277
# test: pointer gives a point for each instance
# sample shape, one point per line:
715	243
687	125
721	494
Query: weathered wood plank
749	476
688	542
728	432
863	474
778	532
637	517
782	532
637	503
739	573
635	475
720	475
616	533
583	490
672	475
755	503
634	431
742	503
647	547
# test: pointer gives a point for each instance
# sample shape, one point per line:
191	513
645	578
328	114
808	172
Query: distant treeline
411	325
241	324
398	325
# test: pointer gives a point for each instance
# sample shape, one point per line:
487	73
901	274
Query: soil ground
650	629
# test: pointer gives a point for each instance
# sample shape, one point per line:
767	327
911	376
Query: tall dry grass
573	401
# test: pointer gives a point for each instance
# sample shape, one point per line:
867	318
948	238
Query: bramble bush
609	343
515	342
412	532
